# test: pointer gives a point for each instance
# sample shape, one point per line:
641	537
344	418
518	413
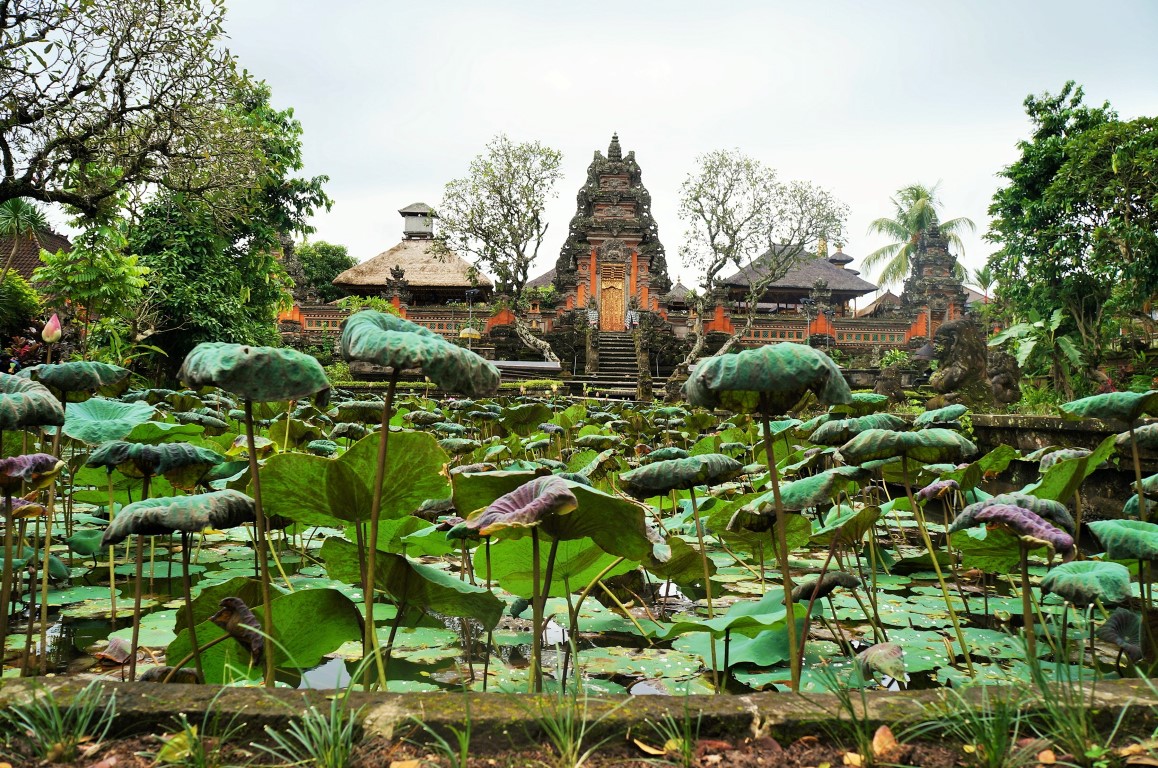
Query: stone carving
875	357
613	251
1004	377
889	383
962	375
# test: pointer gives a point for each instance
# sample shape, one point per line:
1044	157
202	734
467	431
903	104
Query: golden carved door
611	302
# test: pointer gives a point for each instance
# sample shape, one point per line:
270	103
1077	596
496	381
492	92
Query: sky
861	98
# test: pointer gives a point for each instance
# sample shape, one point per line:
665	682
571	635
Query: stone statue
875	358
1004	377
889	383
962	374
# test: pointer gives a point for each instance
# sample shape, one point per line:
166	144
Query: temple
612	259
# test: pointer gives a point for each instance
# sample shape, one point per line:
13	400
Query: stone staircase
618	366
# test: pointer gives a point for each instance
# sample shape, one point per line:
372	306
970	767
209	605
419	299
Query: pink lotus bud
51	332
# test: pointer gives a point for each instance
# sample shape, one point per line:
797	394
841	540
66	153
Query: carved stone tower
933	295
612	253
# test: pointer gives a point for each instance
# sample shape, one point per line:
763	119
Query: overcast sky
859	97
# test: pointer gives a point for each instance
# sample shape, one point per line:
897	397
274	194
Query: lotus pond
514	544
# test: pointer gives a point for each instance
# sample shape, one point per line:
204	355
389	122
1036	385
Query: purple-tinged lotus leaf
824	586
25	403
1124	629
1049	510
1062	454
22	508
937	490
525	506
1027	525
261	374
188	514
36	470
239	623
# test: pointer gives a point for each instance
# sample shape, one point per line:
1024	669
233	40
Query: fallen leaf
884	742
108	762
1047	757
711	746
1141	760
647	749
854	759
406	764
969	749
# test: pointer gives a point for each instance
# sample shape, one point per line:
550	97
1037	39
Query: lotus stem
1078	524
798	660
707	579
6	579
49	513
32	603
185	582
1027	605
1143	567
400	612
112	555
536	616
260	545
370	641
781	546
146	481
920	515
727	653
195	653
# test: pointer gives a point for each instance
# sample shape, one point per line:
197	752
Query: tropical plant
316	738
563	718
56	729
20	220
1041	344
915	213
984	279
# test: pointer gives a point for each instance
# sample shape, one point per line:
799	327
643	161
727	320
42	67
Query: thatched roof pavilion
414	268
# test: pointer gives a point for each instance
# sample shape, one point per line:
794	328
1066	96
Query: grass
457	755
563	719
679	736
317	738
55	732
851	711
989	728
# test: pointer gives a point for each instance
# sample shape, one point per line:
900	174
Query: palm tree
20	219
916	211
984	279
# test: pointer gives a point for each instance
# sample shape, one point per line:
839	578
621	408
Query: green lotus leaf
448	428
349	430
293	433
98	420
778	374
25	403
457	446
1146	437
862	404
619	526
1062	454
525	419
950	415
190	514
361	411
806	492
183	464
322	447
746	617
85	543
386	340
577	562
1127	539
663	476
598	442
926	445
81	376
1087	582
424	418
524	507
418	586
211	424
848	524
840	431
1113	406
261	374
599	466
886	659
316	491
1062	479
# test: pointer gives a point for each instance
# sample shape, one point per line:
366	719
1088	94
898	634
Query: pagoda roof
886	299
543	280
28	250
424	268
840	257
803	276
678	294
419	208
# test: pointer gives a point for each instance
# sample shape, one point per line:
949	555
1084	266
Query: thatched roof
803	276
424	268
543	280
886	299
28	251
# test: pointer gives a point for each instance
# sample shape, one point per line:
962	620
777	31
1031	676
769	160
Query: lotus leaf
940	417
364	411
240	624
1063	454
1124	629
577	562
474	490
25	403
1028	525
1113	406
663	476
80	376
598	442
887	659
421	418
937	490
448	428
600	465
322	447
386	340
1146	437
665	454
525	419
850	525
23	508
780	374
457	446
1127	539
36	470
98	420
187	463
525	507
212	424
862	404
806	492
350	431
815	589
190	514
840	431
1087	582
261	374
744	617
925	446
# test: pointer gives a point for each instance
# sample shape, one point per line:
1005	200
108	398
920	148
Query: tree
915	211
1077	220
321	262
739	214
984	279
20	220
495	214
102	97
1040	345
216	277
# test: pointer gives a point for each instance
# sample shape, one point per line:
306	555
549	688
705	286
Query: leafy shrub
895	357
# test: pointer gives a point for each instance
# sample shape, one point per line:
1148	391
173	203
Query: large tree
320	263
100	97
495	215
216	274
1077	221
739	214
915	210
